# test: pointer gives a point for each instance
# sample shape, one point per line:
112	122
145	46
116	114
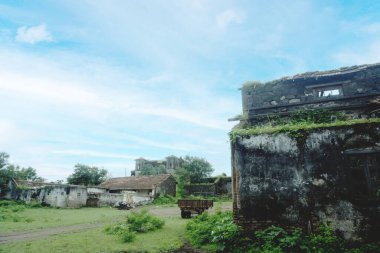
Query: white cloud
92	153
228	17
362	55
33	34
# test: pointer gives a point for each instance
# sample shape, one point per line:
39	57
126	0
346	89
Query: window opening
324	92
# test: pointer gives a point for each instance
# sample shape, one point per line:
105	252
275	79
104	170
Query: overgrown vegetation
165	200
253	84
137	222
10	211
219	233
294	128
149	169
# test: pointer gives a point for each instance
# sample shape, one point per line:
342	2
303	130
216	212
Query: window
323	92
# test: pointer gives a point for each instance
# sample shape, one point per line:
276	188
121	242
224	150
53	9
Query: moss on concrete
295	129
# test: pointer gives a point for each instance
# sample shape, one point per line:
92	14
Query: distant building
171	163
147	186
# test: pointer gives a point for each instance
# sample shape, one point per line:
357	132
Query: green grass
296	127
95	240
52	217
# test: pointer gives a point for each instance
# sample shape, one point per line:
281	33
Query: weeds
165	200
137	222
217	230
294	128
219	233
9	210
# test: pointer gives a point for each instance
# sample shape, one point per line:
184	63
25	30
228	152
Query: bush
218	230
137	222
142	222
220	234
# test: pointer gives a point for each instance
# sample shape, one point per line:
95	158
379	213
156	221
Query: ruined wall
349	90
328	175
56	195
167	187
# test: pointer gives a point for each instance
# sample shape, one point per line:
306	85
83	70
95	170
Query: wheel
188	214
183	214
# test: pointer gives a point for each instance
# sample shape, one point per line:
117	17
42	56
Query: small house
152	186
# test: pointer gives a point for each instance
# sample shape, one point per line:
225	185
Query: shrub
218	230
128	236
142	222
137	222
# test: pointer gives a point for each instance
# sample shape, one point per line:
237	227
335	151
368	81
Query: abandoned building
211	186
143	186
56	195
171	163
134	191
326	171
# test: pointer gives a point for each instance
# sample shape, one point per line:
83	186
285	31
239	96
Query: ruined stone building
307	151
171	163
138	190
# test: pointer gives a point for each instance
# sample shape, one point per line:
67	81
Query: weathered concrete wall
56	196
327	175
168	187
357	86
109	199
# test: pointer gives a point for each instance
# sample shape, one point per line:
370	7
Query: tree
193	170
19	173
3	159
149	169
87	175
14	171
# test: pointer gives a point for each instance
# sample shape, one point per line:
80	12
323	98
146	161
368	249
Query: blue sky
105	82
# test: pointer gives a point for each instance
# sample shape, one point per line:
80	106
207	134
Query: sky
104	82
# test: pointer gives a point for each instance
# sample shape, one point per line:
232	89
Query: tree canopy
149	169
14	171
193	170
87	175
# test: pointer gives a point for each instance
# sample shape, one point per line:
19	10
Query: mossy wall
329	175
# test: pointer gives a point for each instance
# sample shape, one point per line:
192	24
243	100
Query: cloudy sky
103	82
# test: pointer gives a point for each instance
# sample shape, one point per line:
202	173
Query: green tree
3	159
87	175
14	171
149	169
193	170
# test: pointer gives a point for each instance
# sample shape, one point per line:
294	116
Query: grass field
95	240
51	217
171	236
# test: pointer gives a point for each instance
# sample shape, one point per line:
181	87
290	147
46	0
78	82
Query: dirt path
43	233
